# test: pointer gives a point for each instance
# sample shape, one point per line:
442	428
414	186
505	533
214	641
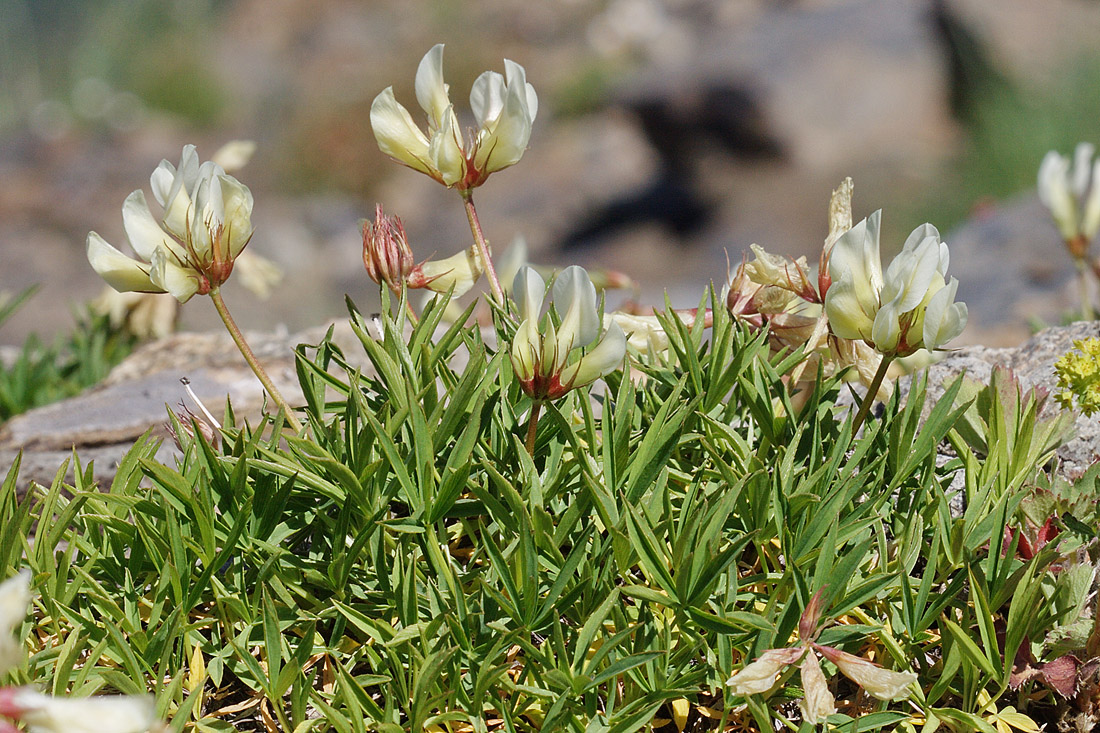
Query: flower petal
171	277
1056	194
528	290
880	682
1082	168
642	332
143	231
237	206
909	276
944	319
121	272
1090	217
172	188
759	676
844	307
817	702
445	150
116	713
258	274
15	601
431	92
857	252
487	98
397	134
459	271
507	139
234	155
574	298
598	362
525	351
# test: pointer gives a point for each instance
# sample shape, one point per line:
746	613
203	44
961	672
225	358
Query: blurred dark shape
722	116
971	74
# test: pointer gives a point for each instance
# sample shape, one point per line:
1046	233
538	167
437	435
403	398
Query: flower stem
250	357
872	393
482	246
532	424
1087	313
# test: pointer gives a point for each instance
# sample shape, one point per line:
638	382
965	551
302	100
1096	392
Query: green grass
406	563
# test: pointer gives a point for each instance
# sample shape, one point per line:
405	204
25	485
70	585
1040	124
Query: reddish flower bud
386	253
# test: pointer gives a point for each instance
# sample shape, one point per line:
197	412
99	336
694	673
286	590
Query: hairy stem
872	393
532	424
250	357
482	247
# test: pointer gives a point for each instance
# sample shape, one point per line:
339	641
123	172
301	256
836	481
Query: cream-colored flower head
504	108
541	348
206	222
910	307
1071	191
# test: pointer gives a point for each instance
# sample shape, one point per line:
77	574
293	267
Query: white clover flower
504	108
15	601
541	349
106	714
910	308
1071	191
206	223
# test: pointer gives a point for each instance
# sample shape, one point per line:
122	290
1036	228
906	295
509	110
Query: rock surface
103	422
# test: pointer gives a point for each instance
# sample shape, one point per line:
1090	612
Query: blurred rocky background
670	133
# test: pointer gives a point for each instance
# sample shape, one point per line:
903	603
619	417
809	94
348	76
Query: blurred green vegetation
1011	126
156	50
39	373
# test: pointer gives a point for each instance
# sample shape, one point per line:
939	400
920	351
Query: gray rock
103	422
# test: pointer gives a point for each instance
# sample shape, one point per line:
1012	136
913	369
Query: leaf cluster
405	564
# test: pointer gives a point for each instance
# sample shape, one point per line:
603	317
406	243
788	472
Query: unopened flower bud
386	253
190	424
739	298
